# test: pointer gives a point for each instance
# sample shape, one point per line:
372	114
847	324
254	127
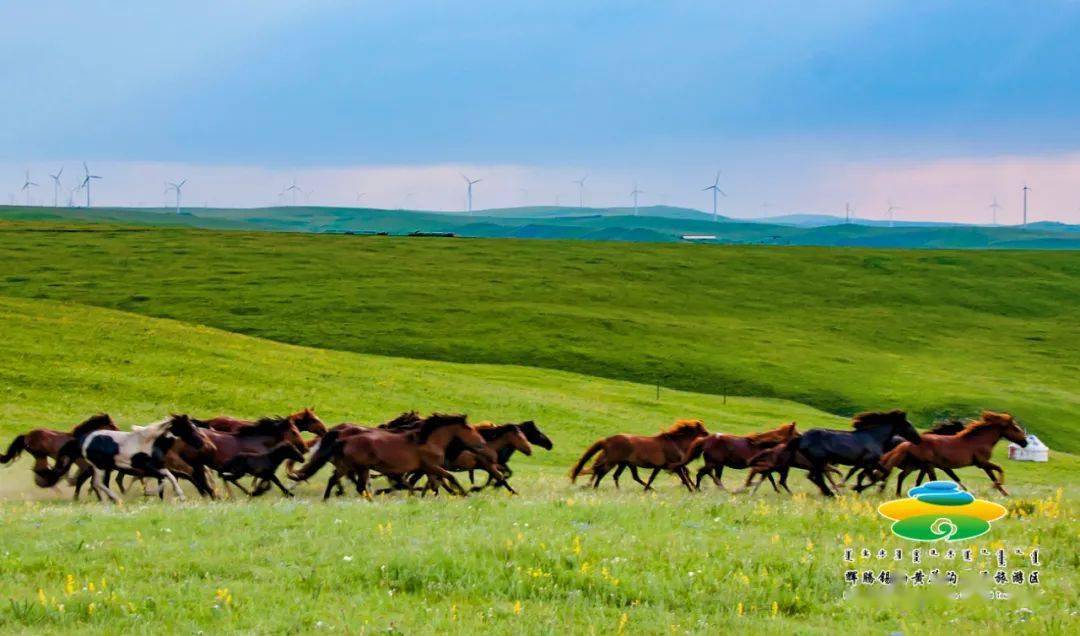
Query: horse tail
893	458
694	451
323	451
69	452
18	445
594	449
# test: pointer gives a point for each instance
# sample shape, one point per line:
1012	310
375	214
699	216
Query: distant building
698	237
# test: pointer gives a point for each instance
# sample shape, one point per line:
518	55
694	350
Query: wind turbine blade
722	193
182	183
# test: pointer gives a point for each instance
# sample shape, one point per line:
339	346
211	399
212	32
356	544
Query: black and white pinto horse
860	448
139	452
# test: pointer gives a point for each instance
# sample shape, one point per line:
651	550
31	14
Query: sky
934	107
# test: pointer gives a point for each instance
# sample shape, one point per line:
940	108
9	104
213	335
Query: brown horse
734	451
779	459
664	451
44	444
497	440
398	453
304	420
970	447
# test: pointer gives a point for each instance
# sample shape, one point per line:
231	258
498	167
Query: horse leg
447	476
277	482
199	477
598	474
615	475
684	476
989	468
98	482
718	475
648	484
81	478
361	481
333	481
701	472
900	480
635	475
472	482
953	476
120	483
815	476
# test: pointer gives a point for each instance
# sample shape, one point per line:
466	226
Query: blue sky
804	103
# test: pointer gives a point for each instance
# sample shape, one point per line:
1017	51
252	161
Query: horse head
534	435
902	427
518	440
184	429
1005	423
306	420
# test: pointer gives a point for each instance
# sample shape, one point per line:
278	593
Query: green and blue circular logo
940	511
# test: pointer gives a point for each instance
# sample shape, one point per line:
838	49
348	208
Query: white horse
139	452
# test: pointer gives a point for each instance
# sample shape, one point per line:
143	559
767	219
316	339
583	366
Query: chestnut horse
498	440
970	447
664	451
304	420
533	435
780	459
397	453
44	444
734	451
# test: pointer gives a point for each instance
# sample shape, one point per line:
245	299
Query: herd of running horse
410	447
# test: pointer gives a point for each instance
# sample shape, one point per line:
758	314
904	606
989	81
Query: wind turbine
849	212
294	189
177	187
634	194
56	187
469	183
889	212
360	195
1026	190
27	184
71	195
86	182
715	187
581	191
994	207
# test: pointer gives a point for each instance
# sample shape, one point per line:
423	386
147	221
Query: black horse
860	448
942	427
532	433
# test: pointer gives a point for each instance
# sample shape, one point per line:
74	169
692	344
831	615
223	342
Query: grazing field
558	557
839	329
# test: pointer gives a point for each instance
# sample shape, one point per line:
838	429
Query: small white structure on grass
1035	451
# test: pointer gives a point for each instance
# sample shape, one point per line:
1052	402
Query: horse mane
683	427
770	434
435	421
989	419
950	426
405	421
873	419
491	431
93	423
263	426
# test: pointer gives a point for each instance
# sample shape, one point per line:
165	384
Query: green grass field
365	328
842	330
557	557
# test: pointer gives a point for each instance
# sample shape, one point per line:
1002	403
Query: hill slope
652	225
842	330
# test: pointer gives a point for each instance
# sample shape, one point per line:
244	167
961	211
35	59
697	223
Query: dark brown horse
304	420
398	453
44	444
780	459
664	451
734	451
972	446
497	440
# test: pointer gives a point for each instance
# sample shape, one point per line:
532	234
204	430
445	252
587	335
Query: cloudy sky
936	106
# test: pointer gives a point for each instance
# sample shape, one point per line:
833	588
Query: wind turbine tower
1026	190
892	208
56	187
27	184
469	183
634	193
294	189
177	187
581	191
86	182
994	207
715	187
848	212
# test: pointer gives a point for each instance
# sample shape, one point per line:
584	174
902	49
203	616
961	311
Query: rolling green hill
654	225
842	330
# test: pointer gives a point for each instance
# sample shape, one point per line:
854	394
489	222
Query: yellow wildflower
517	607
739	609
623	620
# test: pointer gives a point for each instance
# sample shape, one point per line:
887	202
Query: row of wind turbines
293	189
88	178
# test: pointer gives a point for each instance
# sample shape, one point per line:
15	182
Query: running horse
972	446
861	447
304	420
44	444
734	451
664	451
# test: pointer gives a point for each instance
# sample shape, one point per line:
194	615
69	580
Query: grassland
557	558
840	330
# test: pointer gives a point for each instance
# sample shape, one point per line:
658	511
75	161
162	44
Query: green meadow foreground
843	330
557	558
